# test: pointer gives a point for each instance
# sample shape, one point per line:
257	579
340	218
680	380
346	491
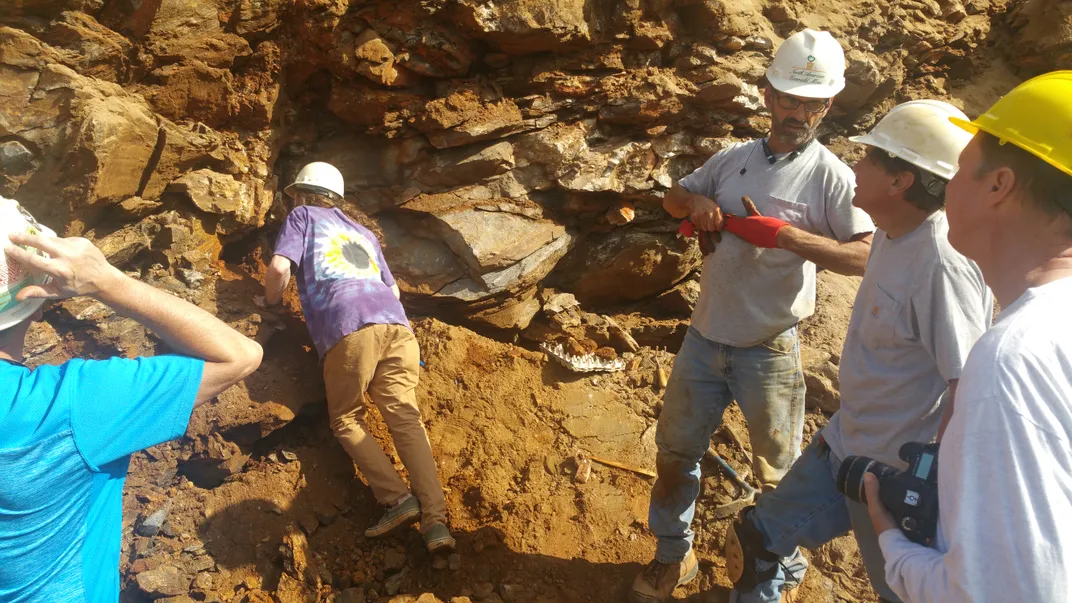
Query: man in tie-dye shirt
352	309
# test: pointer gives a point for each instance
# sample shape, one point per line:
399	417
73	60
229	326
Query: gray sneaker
405	513
438	539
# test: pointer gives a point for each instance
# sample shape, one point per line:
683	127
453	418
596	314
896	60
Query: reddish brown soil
504	424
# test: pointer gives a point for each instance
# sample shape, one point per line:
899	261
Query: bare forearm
844	258
185	328
274	285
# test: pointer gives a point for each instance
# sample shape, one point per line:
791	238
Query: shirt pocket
880	326
791	211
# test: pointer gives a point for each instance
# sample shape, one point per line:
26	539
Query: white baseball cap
14	277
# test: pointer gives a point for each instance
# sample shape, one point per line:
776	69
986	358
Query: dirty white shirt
1004	469
748	294
920	309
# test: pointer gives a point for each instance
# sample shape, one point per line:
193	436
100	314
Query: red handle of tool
686	229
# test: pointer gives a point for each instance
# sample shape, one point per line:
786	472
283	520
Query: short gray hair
1049	188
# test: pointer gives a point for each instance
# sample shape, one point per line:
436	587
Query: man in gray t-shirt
920	308
756	285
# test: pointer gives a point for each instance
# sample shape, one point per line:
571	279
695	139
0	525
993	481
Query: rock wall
494	141
514	154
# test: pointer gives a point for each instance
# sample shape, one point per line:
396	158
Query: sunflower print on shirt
342	253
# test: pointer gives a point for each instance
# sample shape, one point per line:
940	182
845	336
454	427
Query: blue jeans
806	509
768	384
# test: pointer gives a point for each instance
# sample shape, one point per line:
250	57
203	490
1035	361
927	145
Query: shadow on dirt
523	577
334	507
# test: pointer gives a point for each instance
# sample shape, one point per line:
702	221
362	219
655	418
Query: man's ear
1002	186
902	182
768	97
829	106
1003	183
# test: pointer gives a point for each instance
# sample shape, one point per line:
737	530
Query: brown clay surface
504	424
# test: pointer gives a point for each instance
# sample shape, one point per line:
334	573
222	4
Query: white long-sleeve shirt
1004	469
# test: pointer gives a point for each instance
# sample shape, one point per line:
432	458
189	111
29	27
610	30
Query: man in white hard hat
1004	480
351	305
920	308
742	343
67	432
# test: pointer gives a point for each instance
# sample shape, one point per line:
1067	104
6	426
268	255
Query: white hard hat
13	276
320	175
810	64
920	132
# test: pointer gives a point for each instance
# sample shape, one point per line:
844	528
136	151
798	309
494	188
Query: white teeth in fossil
587	363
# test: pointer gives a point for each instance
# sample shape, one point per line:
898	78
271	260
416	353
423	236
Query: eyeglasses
791	103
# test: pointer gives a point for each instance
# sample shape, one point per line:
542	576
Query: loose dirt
504	424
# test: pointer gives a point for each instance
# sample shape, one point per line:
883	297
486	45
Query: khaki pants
384	360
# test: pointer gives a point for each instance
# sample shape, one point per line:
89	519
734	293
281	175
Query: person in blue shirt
67	432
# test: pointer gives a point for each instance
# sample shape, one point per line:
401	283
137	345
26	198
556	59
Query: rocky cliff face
514	153
496	142
505	148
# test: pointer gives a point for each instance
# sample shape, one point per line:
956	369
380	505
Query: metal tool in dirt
748	493
661	376
623	466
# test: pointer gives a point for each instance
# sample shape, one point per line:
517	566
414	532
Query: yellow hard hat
1035	116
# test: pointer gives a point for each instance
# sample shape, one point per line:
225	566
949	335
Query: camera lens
850	477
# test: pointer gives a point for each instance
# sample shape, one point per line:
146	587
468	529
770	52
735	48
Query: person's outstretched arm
77	267
276	279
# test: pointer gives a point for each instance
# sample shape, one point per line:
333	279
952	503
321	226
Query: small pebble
483	591
394	584
203	581
152	524
327	515
394	560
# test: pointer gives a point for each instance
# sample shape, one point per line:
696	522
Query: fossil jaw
586	363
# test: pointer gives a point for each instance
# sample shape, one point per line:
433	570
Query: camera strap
823	446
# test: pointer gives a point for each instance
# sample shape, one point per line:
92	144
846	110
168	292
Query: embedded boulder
241	206
650	262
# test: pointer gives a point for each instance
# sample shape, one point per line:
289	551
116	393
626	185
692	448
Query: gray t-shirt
748	294
920	309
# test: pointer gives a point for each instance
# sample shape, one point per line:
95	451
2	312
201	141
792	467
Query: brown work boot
658	580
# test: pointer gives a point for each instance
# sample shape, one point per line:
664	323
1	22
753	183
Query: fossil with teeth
585	363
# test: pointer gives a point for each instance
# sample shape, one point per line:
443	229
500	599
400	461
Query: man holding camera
1005	471
742	344
67	432
920	308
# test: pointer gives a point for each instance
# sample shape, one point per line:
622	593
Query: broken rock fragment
165	581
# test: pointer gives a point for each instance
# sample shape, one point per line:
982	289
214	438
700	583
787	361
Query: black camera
911	496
